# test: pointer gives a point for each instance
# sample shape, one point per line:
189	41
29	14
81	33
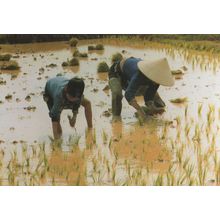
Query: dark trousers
116	90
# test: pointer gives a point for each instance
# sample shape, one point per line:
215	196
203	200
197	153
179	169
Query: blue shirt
55	90
134	78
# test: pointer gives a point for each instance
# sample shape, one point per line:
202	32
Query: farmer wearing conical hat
62	93
137	76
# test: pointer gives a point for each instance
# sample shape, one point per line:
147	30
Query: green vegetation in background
200	42
30	38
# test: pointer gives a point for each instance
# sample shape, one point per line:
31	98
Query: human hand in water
72	120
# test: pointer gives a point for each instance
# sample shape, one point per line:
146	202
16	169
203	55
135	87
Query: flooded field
179	147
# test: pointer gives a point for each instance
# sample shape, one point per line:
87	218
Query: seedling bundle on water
103	67
116	57
179	100
11	65
73	42
5	57
97	47
76	53
72	62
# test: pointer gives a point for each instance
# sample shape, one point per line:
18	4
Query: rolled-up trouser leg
116	89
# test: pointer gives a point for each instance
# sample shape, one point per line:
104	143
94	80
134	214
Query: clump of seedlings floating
52	65
97	47
2	82
73	42
5	57
76	53
176	72
179	100
102	67
72	62
11	65
8	97
116	57
30	108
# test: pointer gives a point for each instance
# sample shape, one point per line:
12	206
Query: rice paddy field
179	147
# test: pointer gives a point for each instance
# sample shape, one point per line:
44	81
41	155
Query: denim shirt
55	89
134	78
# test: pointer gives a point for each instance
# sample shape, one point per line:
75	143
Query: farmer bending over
62	93
138	77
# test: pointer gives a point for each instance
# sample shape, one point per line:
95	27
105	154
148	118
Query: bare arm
88	111
135	105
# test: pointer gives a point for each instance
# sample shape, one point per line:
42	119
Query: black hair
75	87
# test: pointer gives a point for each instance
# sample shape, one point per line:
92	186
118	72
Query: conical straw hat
158	71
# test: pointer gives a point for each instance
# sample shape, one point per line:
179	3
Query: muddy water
149	145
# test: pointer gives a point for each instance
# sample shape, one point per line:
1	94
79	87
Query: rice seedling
178	134
217	173
94	136
159	180
178	119
187	130
200	109
181	180
179	156
191	182
104	137
197	134
185	163
74	140
186	111
189	170
215	159
202	173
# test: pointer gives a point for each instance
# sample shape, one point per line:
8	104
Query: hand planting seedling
139	77
72	120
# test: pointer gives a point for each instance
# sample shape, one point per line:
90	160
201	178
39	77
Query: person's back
130	67
55	86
